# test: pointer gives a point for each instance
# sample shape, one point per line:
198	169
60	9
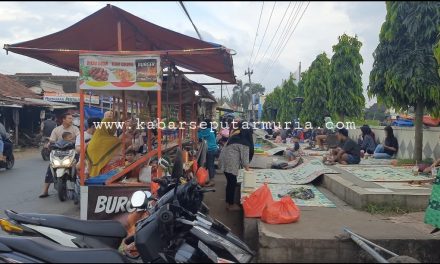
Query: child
130	158
67	138
293	152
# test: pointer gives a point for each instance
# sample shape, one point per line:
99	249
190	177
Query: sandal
43	195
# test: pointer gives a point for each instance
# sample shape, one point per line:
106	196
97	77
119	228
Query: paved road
21	186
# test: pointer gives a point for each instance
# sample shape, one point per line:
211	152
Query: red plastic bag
254	204
202	176
284	211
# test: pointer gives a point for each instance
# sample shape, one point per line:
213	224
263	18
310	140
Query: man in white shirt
66	126
56	135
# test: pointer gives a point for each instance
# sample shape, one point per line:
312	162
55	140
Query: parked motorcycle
45	148
174	232
62	165
10	159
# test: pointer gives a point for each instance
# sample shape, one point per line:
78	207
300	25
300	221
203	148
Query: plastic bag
202	176
284	211
254	204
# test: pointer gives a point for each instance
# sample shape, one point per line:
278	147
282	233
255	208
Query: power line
256	34
265	31
273	37
189	17
287	27
285	44
283	38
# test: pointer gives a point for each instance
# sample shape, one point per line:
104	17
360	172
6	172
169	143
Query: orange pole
159	131
180	111
82	156
124	118
149	141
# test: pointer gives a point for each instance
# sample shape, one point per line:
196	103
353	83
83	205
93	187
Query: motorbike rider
7	147
48	126
56	135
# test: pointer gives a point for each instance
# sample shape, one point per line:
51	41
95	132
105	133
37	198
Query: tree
279	105
405	71
346	94
316	91
242	93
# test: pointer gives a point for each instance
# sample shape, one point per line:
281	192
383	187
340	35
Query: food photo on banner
119	72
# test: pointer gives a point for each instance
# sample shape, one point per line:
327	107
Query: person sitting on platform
348	152
390	146
293	152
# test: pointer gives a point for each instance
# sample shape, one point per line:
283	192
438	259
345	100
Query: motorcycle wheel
62	189
10	162
45	153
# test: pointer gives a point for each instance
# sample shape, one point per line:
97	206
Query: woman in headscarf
104	149
237	154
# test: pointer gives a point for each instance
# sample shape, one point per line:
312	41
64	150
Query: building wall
405	137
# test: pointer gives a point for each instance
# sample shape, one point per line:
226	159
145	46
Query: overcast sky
232	24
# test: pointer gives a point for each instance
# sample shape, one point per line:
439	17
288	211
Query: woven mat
303	174
384	174
371	162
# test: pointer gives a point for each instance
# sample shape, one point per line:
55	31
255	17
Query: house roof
69	83
13	88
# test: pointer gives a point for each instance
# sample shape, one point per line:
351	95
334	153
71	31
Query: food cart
114	41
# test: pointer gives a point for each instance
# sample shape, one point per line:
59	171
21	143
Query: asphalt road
21	186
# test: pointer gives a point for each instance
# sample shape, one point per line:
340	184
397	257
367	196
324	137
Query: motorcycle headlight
240	254
66	162
56	162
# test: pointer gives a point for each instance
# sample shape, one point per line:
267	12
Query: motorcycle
10	159
81	233
174	231
45	150
62	166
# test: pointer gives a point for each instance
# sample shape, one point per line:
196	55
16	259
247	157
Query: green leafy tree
288	107
346	97
405	70
316	91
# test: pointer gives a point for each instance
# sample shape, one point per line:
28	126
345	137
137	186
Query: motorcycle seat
49	252
103	228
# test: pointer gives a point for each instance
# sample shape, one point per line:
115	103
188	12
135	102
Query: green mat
371	162
383	174
303	174
276	150
432	214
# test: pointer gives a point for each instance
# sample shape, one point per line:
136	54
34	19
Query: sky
231	24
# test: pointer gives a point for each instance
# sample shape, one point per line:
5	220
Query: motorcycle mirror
139	198
178	165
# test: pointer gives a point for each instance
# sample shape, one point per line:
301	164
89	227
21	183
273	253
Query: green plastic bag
432	214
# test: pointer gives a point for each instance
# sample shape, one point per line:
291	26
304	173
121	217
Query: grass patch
385	209
413	161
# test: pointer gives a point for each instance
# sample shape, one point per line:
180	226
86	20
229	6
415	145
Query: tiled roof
13	88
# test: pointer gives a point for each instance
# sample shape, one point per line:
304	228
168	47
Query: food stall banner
119	72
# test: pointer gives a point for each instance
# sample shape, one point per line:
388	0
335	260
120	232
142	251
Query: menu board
119	72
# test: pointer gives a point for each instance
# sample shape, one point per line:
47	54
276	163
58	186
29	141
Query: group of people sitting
350	152
103	147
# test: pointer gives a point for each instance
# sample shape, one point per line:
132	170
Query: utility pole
249	73
299	72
